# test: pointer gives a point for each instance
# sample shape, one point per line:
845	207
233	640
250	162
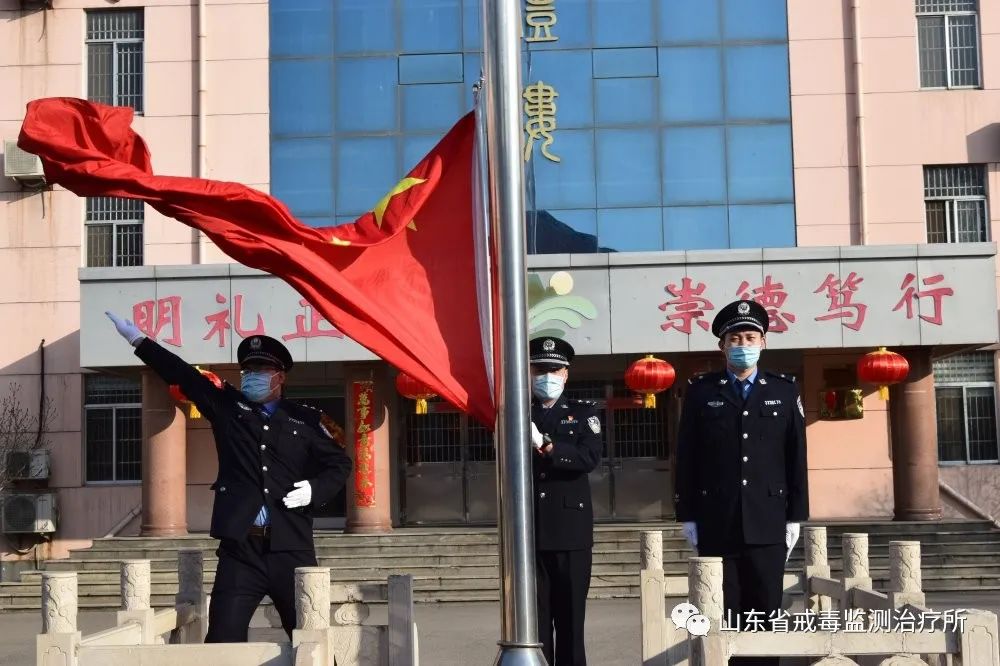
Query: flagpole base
512	654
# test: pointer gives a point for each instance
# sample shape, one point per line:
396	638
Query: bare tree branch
21	429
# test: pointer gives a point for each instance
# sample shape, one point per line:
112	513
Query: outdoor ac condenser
28	465
25	513
22	166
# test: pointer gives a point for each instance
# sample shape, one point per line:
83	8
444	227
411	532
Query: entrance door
333	514
632	483
450	468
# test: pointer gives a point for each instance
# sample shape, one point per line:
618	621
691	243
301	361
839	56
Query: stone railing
175	636
892	624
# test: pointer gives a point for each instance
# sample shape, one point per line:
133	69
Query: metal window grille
435	437
955	204
114	232
966	408
948	38
638	432
113	408
115	57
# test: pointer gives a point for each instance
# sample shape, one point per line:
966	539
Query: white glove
127	329
791	537
536	436
691	534
301	496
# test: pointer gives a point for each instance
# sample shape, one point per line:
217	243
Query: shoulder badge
244	407
595	424
798	401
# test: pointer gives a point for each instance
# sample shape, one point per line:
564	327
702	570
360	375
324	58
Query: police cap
264	349
740	316
550	351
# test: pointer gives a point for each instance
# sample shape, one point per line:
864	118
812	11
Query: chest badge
595	424
715	403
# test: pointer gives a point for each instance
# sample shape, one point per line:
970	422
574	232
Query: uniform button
744	482
263	446
581	505
266	427
264	468
222	489
745	435
746	413
295	432
268	492
571	432
744	460
541	495
542	475
776	413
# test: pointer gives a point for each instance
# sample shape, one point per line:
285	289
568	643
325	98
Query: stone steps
461	564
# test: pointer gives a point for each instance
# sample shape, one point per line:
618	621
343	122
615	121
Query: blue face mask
742	358
256	386
547	386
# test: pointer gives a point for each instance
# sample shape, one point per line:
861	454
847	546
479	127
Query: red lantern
410	388
190	407
883	368
649	376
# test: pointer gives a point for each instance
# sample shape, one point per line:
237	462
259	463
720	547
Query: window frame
965	419
947	16
113	408
115	225
950	201
115	70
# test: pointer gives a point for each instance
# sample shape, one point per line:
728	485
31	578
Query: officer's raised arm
171	368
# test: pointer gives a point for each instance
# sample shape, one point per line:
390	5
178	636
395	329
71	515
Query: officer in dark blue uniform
566	435
276	462
741	486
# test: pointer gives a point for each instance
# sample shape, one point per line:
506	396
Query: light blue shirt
742	387
263	518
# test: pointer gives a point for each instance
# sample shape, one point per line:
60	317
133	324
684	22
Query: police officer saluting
566	435
741	467
275	464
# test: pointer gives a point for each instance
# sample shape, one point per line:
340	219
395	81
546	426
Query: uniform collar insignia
762	380
722	381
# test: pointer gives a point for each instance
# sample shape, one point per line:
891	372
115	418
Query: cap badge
549	344
254	343
743	308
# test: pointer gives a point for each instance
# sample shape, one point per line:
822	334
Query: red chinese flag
400	280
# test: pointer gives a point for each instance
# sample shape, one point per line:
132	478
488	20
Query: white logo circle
549	345
743	308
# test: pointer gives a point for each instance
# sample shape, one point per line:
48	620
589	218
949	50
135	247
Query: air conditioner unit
22	166
24	465
29	514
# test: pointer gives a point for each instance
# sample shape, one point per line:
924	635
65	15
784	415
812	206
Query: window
113	422
948	40
955	202
114	57
114	232
965	387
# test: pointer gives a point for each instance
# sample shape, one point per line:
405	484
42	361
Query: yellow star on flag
400	187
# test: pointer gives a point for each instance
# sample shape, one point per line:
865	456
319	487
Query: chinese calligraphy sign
362	398
540	18
540	108
689	306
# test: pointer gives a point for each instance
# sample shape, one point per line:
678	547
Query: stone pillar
369	511
164	461
136	594
652	550
59	602
913	423
312	598
905	586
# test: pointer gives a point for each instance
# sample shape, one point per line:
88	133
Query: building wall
905	128
43	53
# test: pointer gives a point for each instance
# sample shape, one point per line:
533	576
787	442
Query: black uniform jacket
741	466
564	515
259	458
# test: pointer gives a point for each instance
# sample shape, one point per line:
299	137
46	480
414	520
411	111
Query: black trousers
247	571
563	580
752	580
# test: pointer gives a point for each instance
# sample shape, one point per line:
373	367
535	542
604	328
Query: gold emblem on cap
549	344
255	343
743	308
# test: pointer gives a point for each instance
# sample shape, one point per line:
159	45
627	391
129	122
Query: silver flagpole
502	66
